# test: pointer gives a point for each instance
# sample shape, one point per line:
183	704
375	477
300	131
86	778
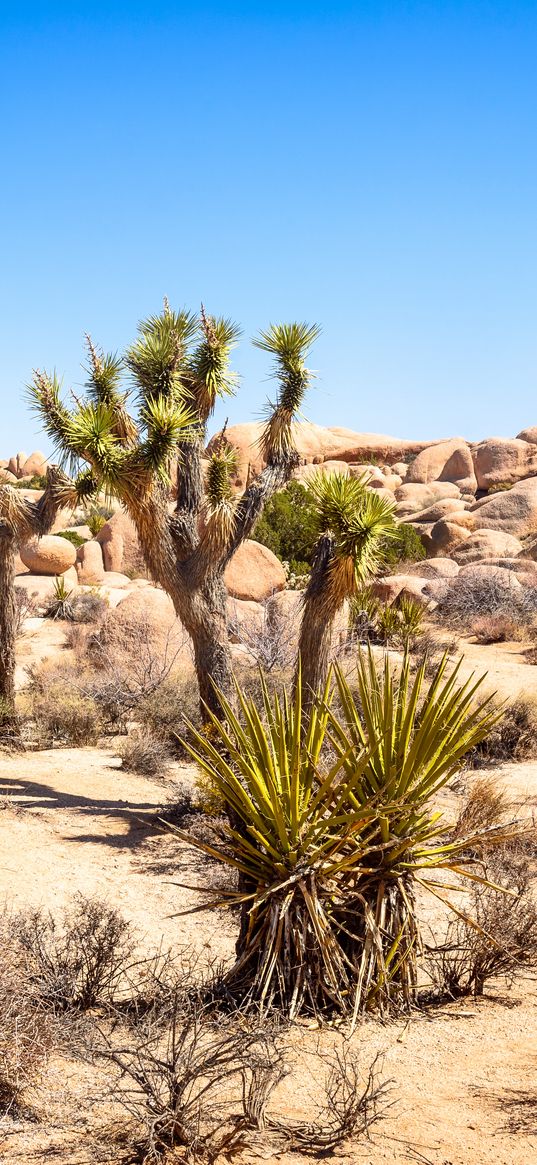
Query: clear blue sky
370	166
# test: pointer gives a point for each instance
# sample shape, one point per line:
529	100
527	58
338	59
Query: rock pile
474	506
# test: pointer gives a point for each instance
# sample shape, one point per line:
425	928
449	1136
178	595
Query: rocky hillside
474	506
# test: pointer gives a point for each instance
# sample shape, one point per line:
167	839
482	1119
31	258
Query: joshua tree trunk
20	519
205	619
8	619
318	616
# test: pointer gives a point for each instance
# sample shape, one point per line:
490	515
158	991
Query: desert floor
464	1075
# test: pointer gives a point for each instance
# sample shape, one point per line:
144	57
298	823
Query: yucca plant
20	520
59	605
388	623
295	844
334	824
354	525
411	615
422	732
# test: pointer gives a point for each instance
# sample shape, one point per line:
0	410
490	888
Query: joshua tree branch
253	501
189	497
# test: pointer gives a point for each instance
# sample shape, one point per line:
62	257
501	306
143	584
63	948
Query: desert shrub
501	941
182	1071
500	487
168	710
145	754
352	1103
37	481
89	607
25	1029
485	805
288	526
407	546
133	667
77	960
469	595
271	640
25	608
512	738
72	536
61	708
500	628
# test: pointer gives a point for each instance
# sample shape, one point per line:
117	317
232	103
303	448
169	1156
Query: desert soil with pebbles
464	1075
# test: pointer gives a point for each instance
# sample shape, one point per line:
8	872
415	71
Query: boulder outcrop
445	461
48	555
254	573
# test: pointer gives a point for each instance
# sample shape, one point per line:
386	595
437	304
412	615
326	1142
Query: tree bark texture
318	616
8	620
190	571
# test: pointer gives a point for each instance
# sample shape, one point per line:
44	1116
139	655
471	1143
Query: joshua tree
354	524
179	365
20	519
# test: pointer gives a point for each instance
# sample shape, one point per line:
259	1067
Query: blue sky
370	166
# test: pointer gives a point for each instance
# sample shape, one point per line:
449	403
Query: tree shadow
140	817
520	1109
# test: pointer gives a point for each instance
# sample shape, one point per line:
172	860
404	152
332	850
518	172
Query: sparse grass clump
512	738
473	595
500	628
145	754
77	960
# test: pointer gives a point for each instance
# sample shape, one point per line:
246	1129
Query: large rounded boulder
120	546
48	555
254	573
513	511
487	544
445	461
89	564
413	497
500	460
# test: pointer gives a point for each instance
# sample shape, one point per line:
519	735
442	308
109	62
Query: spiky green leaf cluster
289	344
330	850
359	522
220	502
299	837
157	357
208	374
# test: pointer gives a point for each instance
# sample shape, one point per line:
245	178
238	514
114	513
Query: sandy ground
464	1075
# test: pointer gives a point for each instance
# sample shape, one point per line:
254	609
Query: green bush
71	536
406	547
38	481
288	526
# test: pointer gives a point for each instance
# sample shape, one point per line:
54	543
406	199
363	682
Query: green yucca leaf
208	374
289	344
